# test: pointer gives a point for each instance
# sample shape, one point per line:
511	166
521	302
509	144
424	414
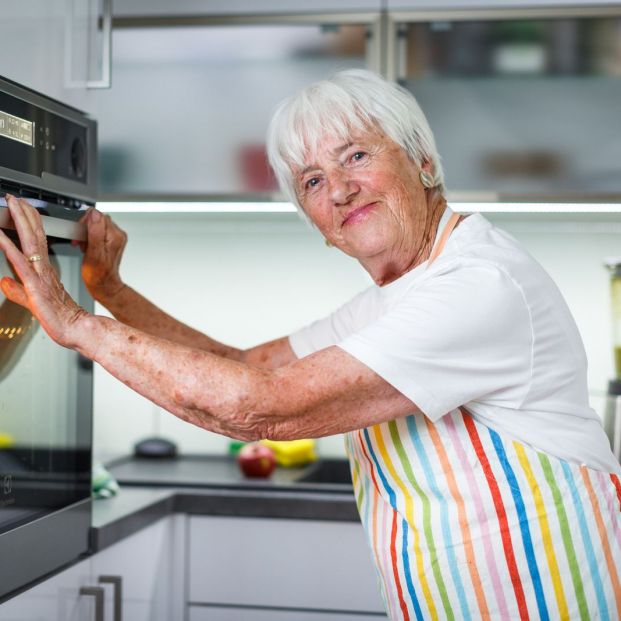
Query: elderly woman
483	478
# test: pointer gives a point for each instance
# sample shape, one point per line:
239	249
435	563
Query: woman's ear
426	176
427	166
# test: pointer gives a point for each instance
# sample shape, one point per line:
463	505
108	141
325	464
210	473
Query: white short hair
355	99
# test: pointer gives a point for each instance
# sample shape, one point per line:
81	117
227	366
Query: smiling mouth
358	214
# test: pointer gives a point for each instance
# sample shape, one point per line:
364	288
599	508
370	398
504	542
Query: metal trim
427	15
163	21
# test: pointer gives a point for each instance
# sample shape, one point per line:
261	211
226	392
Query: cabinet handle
105	21
106	48
117	583
98	594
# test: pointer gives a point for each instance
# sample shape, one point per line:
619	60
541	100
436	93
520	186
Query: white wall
246	279
241	279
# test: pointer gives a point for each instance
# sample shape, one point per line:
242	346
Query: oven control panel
45	144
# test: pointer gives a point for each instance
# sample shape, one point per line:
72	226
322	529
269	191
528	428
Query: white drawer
281	563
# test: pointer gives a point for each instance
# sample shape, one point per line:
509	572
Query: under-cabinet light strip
275	207
195	207
536	207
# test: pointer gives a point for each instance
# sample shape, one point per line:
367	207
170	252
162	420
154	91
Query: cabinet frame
375	21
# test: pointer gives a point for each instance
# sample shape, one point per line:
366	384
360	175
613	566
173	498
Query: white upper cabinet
56	47
524	105
190	103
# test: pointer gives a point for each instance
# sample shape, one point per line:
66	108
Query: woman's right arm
100	271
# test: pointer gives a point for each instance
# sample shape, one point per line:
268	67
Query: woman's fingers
86	215
82	245
41	290
16	258
29	227
14	291
95	229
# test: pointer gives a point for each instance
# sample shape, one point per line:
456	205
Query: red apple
256	460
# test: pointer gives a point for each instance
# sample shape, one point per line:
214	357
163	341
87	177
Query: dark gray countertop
211	485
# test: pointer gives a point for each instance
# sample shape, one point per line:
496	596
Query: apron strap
454	220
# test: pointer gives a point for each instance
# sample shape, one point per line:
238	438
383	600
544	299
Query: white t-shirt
484	327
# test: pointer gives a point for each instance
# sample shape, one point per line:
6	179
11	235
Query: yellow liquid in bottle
618	361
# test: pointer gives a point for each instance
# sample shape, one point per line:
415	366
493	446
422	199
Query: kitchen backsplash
247	279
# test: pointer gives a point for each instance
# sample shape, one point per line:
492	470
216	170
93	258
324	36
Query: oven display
16	129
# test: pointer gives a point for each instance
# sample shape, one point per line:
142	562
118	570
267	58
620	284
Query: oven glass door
45	407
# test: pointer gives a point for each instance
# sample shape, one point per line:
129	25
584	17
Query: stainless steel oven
48	155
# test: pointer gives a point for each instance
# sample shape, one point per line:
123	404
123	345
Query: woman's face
364	195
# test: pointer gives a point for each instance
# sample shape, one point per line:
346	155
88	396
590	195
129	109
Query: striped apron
466	524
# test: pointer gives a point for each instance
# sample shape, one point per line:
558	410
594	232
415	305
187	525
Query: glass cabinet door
523	108
189	106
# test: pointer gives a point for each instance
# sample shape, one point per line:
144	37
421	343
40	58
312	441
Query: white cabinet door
281	563
56	599
190	106
202	613
147	564
47	45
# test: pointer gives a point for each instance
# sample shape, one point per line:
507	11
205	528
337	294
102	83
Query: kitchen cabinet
144	566
149	565
499	84
56	599
192	97
523	103
315	569
57	47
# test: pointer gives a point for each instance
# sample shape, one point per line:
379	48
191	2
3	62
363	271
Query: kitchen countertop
211	485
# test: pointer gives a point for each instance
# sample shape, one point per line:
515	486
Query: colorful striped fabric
464	524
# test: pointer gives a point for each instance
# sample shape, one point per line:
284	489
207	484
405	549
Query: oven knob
78	158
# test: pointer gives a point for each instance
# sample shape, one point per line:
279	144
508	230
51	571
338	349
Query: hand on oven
102	255
40	290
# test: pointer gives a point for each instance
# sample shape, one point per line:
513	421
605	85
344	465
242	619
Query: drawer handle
98	594
117	583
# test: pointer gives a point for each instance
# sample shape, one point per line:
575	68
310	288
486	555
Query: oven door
45	431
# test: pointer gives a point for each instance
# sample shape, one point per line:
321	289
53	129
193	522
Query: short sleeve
330	330
461	336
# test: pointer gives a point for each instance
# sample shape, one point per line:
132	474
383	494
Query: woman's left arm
326	393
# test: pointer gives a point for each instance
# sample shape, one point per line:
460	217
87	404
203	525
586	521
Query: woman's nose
342	188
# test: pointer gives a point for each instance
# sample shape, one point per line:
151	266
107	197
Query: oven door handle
54	227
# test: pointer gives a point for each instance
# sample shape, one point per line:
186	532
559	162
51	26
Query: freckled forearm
133	309
321	421
204	389
314	397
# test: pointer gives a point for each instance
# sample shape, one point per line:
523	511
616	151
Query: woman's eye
358	155
311	183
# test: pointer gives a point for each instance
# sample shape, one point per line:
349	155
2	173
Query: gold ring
33	258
